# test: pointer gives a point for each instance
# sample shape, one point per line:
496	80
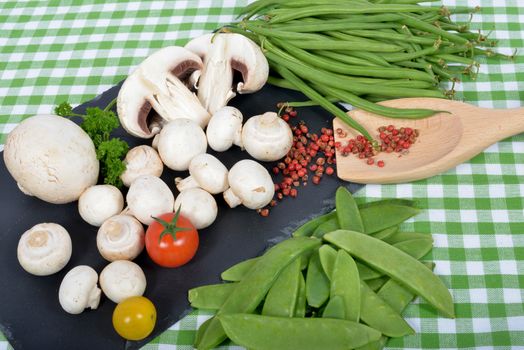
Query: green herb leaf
64	109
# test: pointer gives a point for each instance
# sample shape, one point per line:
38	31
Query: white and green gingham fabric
51	51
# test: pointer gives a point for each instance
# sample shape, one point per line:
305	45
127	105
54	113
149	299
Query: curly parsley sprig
98	124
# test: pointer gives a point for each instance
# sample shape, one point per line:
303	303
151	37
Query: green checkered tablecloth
56	50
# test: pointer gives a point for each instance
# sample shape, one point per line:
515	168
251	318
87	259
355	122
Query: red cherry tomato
171	240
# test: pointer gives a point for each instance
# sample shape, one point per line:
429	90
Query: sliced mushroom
44	249
206	172
198	206
267	137
225	129
122	279
141	160
98	203
158	84
223	54
120	237
149	196
78	290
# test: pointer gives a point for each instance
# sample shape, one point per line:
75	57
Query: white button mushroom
141	160
267	137
98	203
225	129
51	158
149	196
179	141
198	206
122	279
78	290
206	172
250	185
44	249
120	237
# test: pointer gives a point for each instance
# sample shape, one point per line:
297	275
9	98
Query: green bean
370	56
317	283
300	309
254	286
328	226
396	264
380	217
335	308
210	297
344	45
345	282
265	332
309	227
417	248
376	283
401	236
236	272
347	211
283	83
283	34
386	233
281	298
406	56
430	28
388	321
309	103
457	59
349	59
334	25
411	64
390	36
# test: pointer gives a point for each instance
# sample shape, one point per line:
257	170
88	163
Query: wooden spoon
445	140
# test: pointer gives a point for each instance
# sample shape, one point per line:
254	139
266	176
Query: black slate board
30	315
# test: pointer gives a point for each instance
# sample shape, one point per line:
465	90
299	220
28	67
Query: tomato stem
170	228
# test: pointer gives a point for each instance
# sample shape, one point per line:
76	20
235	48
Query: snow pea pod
310	226
376	283
347	211
328	226
335	308
396	264
300	309
317	283
210	297
345	283
406	236
385	233
376	313
328	255
382	216
254	286
266	332
282	296
236	272
416	248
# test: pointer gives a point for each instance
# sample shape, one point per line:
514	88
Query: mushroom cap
52	158
122	279
79	290
141	160
121	237
224	129
157	84
267	137
209	173
98	203
180	140
198	206
149	196
252	183
44	249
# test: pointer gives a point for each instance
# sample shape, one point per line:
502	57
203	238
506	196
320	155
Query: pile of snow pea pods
341	282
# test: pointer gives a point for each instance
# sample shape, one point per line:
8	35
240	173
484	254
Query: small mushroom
250	185
98	203
141	160
44	249
267	137
122	279
206	172
180	140
198	206
225	129
121	237
51	158
158	84
78	290
149	196
223	54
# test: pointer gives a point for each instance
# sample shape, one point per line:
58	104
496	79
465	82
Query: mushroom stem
231	198
186	184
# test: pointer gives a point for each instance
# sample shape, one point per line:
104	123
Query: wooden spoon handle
492	125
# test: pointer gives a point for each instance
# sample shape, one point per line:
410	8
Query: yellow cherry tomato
134	318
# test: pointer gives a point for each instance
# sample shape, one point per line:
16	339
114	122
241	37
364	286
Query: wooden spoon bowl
446	139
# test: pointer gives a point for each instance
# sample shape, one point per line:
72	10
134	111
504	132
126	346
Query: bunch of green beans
363	51
341	282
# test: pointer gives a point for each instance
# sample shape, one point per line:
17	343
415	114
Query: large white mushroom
51	158
120	237
250	185
267	137
98	203
78	290
122	279
179	141
198	206
44	249
141	160
206	172
158	84
149	196
225	129
223	54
